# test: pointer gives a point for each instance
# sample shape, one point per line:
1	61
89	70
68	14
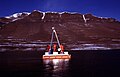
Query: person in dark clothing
48	48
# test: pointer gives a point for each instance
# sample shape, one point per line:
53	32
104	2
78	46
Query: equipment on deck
54	51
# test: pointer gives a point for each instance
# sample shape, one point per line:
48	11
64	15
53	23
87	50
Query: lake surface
102	63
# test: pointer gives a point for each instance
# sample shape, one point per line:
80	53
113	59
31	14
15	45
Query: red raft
56	51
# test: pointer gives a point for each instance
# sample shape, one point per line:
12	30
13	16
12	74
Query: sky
101	8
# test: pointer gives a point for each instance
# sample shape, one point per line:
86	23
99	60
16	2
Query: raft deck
55	55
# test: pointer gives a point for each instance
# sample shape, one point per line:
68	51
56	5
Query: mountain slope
72	28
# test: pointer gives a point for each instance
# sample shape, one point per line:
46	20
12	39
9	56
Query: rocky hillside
74	30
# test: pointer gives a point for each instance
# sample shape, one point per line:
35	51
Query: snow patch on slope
90	47
43	15
16	15
84	18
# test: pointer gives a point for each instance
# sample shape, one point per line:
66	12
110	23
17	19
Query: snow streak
84	18
43	15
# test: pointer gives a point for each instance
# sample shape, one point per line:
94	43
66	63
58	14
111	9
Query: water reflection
56	67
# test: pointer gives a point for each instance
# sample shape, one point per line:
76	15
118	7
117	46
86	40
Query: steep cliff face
72	28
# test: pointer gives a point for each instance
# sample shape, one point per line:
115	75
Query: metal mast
56	36
52	38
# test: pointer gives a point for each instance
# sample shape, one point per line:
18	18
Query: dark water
82	64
